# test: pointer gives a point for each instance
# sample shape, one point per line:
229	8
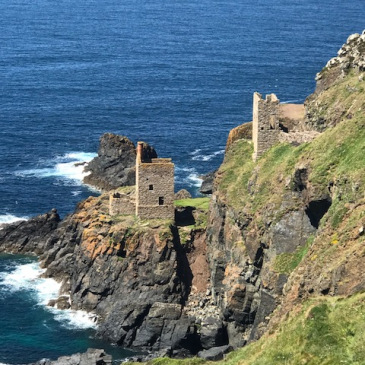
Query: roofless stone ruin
153	195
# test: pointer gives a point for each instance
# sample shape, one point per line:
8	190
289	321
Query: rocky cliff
321	108
284	235
141	278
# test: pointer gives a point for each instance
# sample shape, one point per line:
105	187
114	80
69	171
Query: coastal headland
266	262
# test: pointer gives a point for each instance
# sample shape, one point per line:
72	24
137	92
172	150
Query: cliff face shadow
316	209
183	268
184	216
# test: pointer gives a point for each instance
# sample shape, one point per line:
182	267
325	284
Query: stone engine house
153	197
265	123
275	122
154	187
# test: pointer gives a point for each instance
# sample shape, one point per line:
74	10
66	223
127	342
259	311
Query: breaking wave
69	166
10	218
26	277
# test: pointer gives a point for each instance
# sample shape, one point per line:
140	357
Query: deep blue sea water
177	74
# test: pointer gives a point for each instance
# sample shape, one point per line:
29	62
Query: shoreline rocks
207	185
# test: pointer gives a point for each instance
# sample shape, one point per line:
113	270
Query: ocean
176	74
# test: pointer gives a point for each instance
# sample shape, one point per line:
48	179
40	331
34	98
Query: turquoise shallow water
30	330
178	74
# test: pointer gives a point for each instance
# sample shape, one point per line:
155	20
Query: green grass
336	156
326	331
127	189
198	203
285	263
235	172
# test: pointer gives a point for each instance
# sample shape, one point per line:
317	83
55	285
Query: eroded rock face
243	131
350	59
242	253
29	236
115	164
350	56
137	277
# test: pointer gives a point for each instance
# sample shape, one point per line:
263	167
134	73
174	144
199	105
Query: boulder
212	333
215	353
115	164
63	302
207	184
182	194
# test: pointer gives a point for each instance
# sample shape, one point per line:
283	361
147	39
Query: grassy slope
325	330
198	203
334	158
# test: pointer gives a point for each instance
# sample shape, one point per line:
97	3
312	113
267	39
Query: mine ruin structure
265	123
153	196
154	187
122	203
275	122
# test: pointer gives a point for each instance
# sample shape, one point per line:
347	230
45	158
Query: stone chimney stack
139	152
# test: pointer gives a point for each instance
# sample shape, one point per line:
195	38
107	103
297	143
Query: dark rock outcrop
135	277
115	164
215	353
207	183
243	254
29	236
90	357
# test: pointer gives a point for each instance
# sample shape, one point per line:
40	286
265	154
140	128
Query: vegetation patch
335	158
327	330
197	203
285	263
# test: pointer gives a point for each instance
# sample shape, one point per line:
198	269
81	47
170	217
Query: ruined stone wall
120	203
155	189
265	126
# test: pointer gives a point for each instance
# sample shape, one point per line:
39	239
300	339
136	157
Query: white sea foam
26	277
194	180
188	176
200	157
10	218
195	152
72	319
69	166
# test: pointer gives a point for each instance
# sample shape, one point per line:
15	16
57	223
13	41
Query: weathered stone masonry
265	126
154	187
121	203
153	195
274	122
